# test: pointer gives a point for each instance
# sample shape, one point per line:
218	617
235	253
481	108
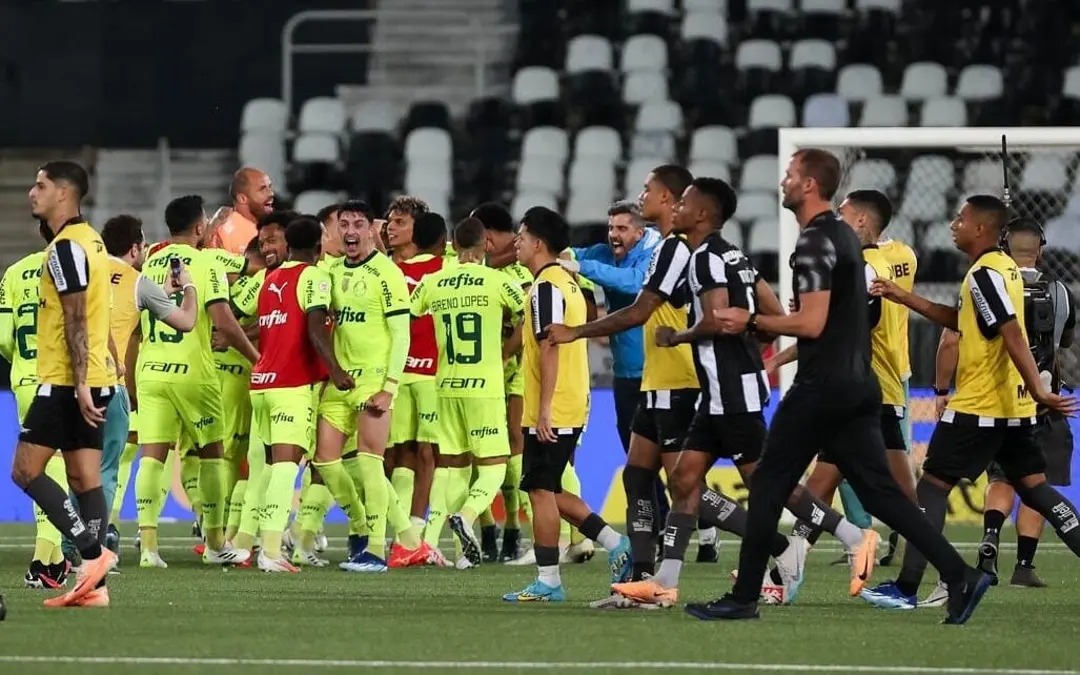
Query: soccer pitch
192	618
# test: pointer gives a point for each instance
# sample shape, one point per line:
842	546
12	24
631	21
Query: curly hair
409	205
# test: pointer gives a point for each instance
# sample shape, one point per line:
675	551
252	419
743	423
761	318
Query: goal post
925	199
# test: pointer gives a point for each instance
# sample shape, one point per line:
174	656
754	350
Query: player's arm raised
156	300
220	312
70	271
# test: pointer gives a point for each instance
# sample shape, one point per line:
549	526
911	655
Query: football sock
676	538
437	511
355	468
808	508
594	527
458	488
47	536
236	509
376	500
148	498
258	484
314	504
43	548
640	515
57	556
1025	550
276	505
484	487
190	467
123	477
343	491
403	481
1058	511
571	484
934	502
993	521
511	494
212	493
94	511
56	504
717	510
547	565
397	517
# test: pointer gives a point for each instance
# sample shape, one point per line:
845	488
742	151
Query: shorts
54	420
892	427
963	449
236	408
664	417
286	416
515	379
340	408
739	437
169	411
1054	436
476	425
416	415
542	464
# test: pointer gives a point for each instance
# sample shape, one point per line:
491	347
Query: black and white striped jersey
730	369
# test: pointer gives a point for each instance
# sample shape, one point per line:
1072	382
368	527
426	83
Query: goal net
927	173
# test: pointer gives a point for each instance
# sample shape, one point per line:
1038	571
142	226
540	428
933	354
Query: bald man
253	197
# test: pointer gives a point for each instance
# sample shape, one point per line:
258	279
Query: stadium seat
372	167
533	84
732	232
714	143
1045	173
316	147
429	179
764	234
760	173
944	111
924	80
659	116
704	26
592	174
710	6
825	111
858	82
659	6
822	19
264	114
931	174
266	150
523	201
1064	233
1070	87
923	207
313	200
901	229
598	143
812	54
644	86
758	63
710	168
588	52
429	145
980	83
375	115
884	111
653	144
585	206
872	174
982	176
646	53
891	6
636	172
540	174
548	142
772	111
322	114
757	205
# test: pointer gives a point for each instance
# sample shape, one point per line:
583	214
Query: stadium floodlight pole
986	140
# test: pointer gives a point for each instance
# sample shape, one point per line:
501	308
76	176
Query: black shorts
542	464
891	418
739	437
664	417
963	449
55	421
1054	435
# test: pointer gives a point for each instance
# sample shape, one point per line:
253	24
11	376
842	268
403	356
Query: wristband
941	392
187	286
390	387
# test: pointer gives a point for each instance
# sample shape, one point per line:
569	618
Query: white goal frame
982	139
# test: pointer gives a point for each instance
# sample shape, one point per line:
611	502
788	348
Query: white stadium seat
758	54
760	173
714	143
523	201
533	84
588	52
264	114
901	229
924	207
980	83
266	150
710	168
595	174
546	142
772	111
598	142
943	111
884	111
646	53
924	80
310	201
764	234
1070	88
429	179
540	174
711	6
585	206
376	115
938	235
659	6
732	232
872	174
644	86
428	144
825	111
813	54
653	144
783	6
316	147
880	5
858	82
838	7
756	205
931	173
659	116
1045	173
322	113
982	175
704	26
636	172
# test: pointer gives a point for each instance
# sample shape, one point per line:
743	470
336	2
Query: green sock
511	494
232	477
123	477
572	484
276	505
376	500
458	489
190	467
212	491
437	507
258	484
355	468
343	491
314	503
148	500
405	532
403	481
482	491
236	509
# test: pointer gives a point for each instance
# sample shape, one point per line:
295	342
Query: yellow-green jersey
364	295
244	296
904	264
328	261
469	303
988	385
166	354
520	275
20	291
229	263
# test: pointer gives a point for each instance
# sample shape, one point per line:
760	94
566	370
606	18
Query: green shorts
171	410
515	379
24	396
476	425
236	402
415	415
286	416
341	408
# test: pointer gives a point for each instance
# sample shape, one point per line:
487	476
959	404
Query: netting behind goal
928	183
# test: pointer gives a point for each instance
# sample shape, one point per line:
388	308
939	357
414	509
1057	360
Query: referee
834	405
77	378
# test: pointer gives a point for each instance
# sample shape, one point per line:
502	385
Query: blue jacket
621	280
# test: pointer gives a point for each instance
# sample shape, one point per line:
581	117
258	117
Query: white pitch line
524	665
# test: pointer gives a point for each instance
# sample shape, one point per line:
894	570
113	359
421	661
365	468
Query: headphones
1020	224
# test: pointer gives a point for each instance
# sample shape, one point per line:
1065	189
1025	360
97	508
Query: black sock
546	556
934	502
993	520
811	510
718	510
57	507
1025	550
95	512
592	526
680	526
640	517
779	544
1057	510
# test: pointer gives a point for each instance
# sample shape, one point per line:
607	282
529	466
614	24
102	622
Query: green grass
449	617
